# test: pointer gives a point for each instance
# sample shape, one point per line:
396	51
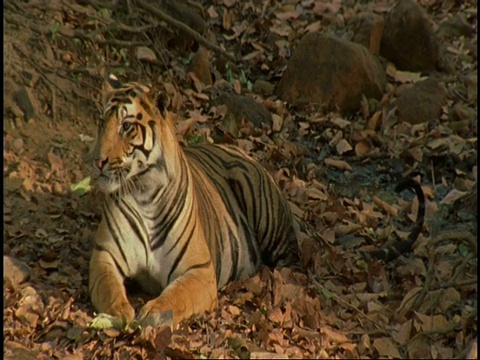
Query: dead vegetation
338	172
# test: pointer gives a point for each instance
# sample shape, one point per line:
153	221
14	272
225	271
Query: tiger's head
134	138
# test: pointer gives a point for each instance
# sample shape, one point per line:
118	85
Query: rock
408	40
18	145
422	103
461	112
262	87
368	31
15	272
27	102
335	72
200	66
243	109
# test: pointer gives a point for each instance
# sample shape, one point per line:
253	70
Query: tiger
181	221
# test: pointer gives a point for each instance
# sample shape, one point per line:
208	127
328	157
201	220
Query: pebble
17	145
58	189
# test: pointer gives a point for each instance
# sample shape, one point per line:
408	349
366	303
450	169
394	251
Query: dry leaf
343	146
402	336
386	347
334	335
385	207
339	164
363	147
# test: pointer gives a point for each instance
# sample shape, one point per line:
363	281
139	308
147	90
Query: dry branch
181	26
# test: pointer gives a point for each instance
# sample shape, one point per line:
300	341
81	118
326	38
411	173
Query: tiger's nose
100	163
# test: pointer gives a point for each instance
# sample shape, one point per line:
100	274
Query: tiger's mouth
125	179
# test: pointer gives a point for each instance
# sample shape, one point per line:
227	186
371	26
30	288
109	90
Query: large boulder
331	71
408	39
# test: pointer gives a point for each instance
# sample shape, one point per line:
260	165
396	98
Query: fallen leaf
343	146
339	164
386	347
363	147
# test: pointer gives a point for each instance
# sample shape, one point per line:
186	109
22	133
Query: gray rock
334	72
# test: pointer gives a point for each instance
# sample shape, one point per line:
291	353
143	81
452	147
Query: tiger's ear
162	101
110	84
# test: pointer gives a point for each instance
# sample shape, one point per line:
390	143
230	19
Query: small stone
15	272
422	103
27	102
17	145
263	87
58	189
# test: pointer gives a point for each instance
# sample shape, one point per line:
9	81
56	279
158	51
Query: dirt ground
422	304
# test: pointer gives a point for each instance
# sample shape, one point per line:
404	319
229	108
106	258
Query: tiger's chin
107	185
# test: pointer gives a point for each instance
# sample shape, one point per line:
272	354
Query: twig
180	25
456	284
70	33
341	301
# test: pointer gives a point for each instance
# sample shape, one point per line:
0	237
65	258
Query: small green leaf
105	321
463	249
327	294
243	78
106	13
187	60
82	187
54	30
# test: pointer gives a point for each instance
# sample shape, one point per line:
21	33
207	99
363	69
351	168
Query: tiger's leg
191	293
106	287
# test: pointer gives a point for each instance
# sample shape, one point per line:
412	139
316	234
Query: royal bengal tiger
179	221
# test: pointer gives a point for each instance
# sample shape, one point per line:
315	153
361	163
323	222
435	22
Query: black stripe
180	237
179	257
234	248
107	215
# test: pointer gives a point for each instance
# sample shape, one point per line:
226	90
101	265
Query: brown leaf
339	164
402	336
267	355
384	206
363	147
409	299
386	347
433	323
56	163
334	335
343	146
234	310
275	315
49	264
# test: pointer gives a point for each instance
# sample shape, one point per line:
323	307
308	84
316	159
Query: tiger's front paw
121	310
154	315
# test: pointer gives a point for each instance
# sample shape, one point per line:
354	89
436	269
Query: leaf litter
334	170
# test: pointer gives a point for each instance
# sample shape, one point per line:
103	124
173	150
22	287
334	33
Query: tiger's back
255	204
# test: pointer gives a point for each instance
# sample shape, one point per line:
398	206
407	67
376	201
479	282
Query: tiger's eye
126	126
